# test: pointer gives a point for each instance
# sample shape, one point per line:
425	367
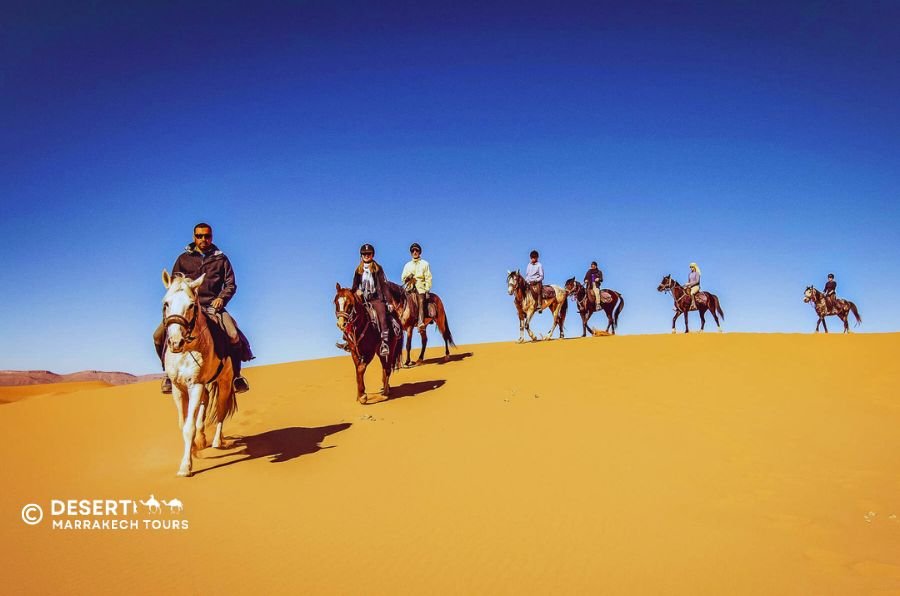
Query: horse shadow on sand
407	390
450	358
280	445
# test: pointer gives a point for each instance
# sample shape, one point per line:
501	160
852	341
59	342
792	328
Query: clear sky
758	139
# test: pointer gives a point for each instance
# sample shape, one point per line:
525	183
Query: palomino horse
704	301
552	297
407	310
612	304
198	366
364	340
842	309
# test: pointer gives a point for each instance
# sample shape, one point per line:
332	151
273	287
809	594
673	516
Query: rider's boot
166	386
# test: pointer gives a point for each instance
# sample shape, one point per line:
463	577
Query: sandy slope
714	464
18	392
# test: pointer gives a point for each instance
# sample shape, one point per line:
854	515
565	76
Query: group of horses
202	375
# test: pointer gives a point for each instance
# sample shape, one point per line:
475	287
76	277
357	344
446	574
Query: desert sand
700	464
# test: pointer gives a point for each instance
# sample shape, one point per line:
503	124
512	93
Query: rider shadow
280	445
413	389
450	358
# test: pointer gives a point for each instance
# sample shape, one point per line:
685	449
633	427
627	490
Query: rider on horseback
370	283
592	280
420	270
534	277
693	284
204	257
830	292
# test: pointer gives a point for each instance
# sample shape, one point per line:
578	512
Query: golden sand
701	464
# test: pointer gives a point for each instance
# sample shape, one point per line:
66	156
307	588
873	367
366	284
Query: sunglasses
202	236
367	254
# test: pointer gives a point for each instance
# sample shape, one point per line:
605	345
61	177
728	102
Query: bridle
184	322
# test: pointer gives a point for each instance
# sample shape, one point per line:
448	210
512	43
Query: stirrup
166	386
342	346
240	385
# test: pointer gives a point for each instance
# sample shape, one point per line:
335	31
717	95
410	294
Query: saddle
393	322
547	293
605	298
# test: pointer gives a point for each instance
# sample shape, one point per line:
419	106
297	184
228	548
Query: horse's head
810	294
180	308
666	284
513	279
344	306
409	283
571	286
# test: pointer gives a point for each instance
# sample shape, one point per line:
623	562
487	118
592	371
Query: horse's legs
528	326
200	428
180	399
195	395
408	347
554	312
702	312
846	321
824	325
224	402
360	382
609	318
674	319
424	336
385	377
686	330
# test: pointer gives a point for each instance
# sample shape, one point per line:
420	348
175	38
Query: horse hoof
420	362
673	332
184	473
361	399
445	359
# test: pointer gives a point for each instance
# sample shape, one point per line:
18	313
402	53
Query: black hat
415	246
831	275
366	248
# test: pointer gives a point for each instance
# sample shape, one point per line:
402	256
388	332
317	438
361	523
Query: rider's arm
426	274
229	286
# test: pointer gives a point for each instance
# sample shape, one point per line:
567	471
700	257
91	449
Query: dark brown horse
407	310
611	302
552	297
364	340
704	301
842	309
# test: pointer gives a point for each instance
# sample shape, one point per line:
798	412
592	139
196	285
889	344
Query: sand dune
713	464
14	393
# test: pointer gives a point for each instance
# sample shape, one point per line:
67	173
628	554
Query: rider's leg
381	313
420	302
236	350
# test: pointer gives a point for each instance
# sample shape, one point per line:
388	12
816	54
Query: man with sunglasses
203	257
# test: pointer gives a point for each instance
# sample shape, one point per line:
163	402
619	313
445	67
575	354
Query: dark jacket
593	276
830	286
219	281
380	282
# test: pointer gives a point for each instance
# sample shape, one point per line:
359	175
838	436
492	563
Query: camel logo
155	507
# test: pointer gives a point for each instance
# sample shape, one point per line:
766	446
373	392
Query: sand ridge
734	463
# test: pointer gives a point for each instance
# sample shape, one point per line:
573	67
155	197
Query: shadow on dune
281	445
451	358
413	389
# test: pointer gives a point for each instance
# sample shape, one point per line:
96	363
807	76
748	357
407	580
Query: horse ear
337	287
165	278
196	283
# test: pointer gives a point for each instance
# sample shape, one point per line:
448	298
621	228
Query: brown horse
842	309
364	340
611	302
407	310
552	297
704	301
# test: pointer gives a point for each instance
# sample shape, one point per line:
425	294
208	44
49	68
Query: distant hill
40	377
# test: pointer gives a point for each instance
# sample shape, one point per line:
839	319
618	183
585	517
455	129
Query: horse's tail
855	313
448	337
212	409
618	310
562	314
719	310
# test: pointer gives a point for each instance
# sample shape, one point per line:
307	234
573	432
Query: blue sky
760	140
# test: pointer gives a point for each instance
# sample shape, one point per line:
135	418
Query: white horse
197	372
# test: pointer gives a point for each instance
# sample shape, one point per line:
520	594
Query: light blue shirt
534	272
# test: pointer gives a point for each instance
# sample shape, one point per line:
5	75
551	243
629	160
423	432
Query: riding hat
366	248
415	246
831	276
